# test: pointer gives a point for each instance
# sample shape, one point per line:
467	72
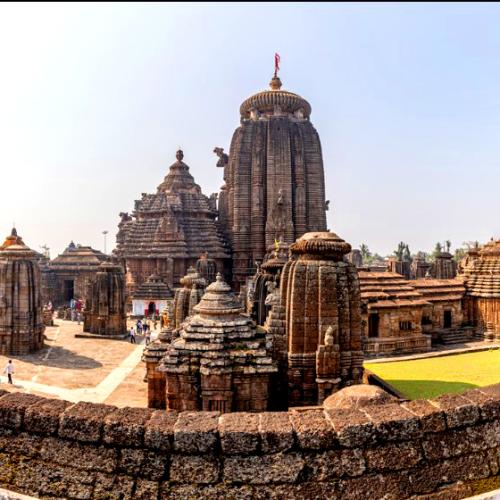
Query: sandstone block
125	426
196	432
431	417
276	432
458	410
331	465
388	486
394	456
239	433
159	430
312	429
201	469
13	407
267	469
43	417
353	427
84	421
393	422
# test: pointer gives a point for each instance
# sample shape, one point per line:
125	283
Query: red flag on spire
276	63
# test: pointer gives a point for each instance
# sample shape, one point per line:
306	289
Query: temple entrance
447	319
69	290
373	321
151	309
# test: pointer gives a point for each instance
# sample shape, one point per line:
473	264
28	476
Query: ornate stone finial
179	155
13	232
219	277
275	83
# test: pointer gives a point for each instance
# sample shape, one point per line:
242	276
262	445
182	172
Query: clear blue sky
95	99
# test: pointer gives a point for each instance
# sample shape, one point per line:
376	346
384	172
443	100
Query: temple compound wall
447	446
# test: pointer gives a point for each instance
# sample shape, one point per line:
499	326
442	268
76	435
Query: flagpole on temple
276	64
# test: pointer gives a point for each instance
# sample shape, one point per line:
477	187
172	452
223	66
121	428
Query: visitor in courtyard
147	336
132	335
139	326
9	370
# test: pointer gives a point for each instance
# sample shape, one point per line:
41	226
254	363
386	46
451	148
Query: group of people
142	328
76	306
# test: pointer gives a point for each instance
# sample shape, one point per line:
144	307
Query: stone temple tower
274	181
21	323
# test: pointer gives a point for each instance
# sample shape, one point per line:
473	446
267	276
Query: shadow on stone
427	389
60	358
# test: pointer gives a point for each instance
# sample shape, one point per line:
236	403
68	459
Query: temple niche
105	303
320	293
21	318
274	180
482	285
168	231
219	362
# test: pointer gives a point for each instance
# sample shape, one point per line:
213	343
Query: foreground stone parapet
418	449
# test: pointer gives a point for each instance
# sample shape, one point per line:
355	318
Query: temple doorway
373	321
447	319
151	309
69	290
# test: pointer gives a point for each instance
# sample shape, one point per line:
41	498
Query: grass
430	377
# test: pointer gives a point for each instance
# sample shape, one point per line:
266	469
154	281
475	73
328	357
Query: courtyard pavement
76	369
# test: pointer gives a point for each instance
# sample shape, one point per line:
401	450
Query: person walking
147	336
9	370
132	336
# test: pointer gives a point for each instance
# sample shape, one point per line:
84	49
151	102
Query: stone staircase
457	336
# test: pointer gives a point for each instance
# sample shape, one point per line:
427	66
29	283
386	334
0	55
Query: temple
21	319
274	184
482	284
169	230
151	298
105	303
68	275
220	362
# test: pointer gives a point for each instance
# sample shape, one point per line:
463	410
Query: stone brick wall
52	448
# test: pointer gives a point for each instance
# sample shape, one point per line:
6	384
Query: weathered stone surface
353	427
143	463
431	417
239	433
196	432
125	426
391	486
334	464
81	456
113	487
458	410
490	410
146	490
84	421
24	444
277	468
203	469
393	422
43	417
358	396
159	430
13	407
276	432
312	429
394	456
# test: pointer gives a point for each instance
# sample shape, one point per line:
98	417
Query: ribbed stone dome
266	101
323	243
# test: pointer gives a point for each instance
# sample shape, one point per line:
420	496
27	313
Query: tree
400	251
448	245
365	252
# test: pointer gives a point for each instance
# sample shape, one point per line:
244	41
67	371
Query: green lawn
430	377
